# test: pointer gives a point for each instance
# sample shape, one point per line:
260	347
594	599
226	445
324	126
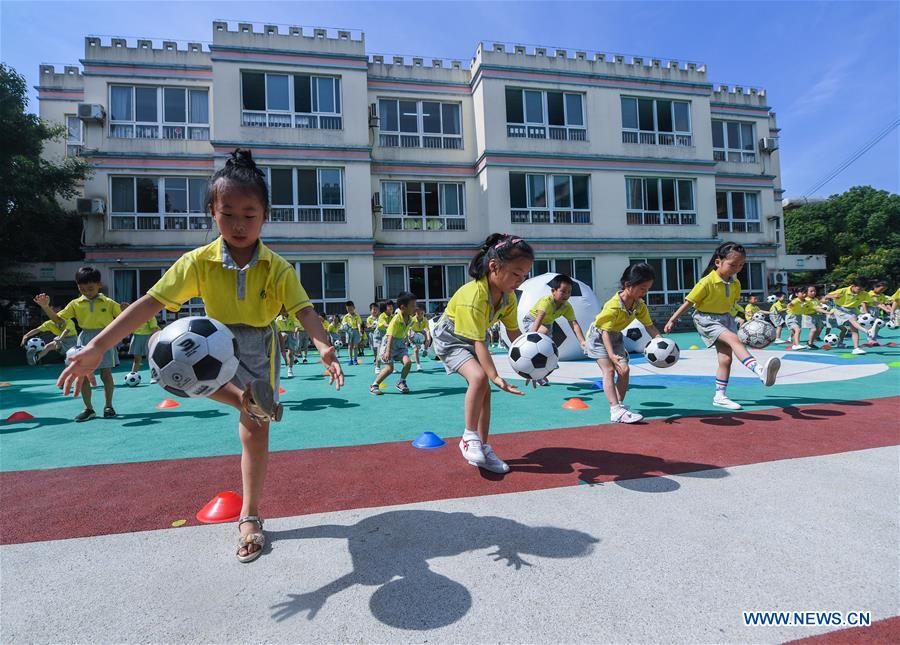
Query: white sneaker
621	414
858	351
797	347
472	451
778	341
769	371
723	401
418	367
290	372
492	462
377	370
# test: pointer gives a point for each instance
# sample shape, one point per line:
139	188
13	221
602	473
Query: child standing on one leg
93	311
461	339
353	325
394	345
713	299
606	344
845	304
776	316
419	336
243	284
63	338
549	308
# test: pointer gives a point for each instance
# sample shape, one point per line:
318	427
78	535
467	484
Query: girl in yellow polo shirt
545	311
460	337
606	344
713	299
846	302
243	284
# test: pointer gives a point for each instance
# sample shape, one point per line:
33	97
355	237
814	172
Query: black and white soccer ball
757	334
772	299
194	356
891	324
338	344
70	353
418	338
831	339
865	319
533	356
662	352
760	316
35	343
635	337
132	379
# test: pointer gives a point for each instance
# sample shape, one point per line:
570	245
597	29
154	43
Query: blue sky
831	69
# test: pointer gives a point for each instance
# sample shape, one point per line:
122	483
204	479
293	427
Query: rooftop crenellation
739	95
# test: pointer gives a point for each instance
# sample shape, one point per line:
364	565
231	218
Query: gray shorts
353	337
398	348
258	355
792	321
711	326
110	357
596	349
815	321
302	341
138	344
376	337
842	316
453	351
776	319
65	344
291	341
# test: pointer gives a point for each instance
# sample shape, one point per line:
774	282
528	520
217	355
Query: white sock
468	435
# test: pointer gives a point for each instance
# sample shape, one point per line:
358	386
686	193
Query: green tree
33	225
857	231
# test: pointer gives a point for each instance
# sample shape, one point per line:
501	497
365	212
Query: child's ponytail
723	251
501	247
240	172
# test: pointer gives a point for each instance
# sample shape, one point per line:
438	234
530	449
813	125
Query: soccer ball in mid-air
194	356
533	356
662	352
772	299
338	344
865	319
636	337
35	343
831	339
132	379
757	334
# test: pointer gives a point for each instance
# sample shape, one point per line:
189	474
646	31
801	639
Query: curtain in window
199	106
120	108
392	198
125	286
751	206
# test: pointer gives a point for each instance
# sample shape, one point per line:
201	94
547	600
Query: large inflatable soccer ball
533	356
194	356
760	316
584	302
831	339
865	319
757	334
635	337
772	299
132	379
35	343
891	324
662	352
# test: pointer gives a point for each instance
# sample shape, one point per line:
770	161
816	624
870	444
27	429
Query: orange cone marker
281	390
5	384
166	404
21	415
575	404
224	507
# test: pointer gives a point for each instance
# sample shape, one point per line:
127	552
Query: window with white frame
407	123
753	280
74	135
578	268
657	201
549	199
156	203
422	206
656	121
146	112
733	141
737	212
540	114
433	285
290	101
325	284
675	277
306	194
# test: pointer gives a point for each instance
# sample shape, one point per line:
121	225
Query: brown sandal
245	541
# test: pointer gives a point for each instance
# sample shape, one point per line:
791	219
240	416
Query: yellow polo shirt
796	306
848	300
371	322
712	295
382	323
56	330
252	295
777	307
615	317
552	310
472	313
896	296
147	328
91	314
399	327
419	326
879	298
354	320
750	309
287	324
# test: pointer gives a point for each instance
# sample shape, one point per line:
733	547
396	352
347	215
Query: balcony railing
732	226
549	216
427	223
738	156
435	141
664	218
155	222
157	131
307	214
658	138
558	133
261	119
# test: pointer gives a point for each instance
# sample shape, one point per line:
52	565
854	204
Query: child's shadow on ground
155	418
400	543
315	404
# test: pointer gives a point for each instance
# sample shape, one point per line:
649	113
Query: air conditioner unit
715	230
379	293
778	278
373	115
91	112
376	202
768	144
90	206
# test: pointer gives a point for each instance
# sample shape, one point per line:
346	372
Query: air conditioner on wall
91	112
373	115
778	278
768	144
90	206
376	202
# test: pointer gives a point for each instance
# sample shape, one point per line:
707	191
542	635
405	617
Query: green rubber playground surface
317	415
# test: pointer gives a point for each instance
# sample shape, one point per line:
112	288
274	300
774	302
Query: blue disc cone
428	440
598	384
